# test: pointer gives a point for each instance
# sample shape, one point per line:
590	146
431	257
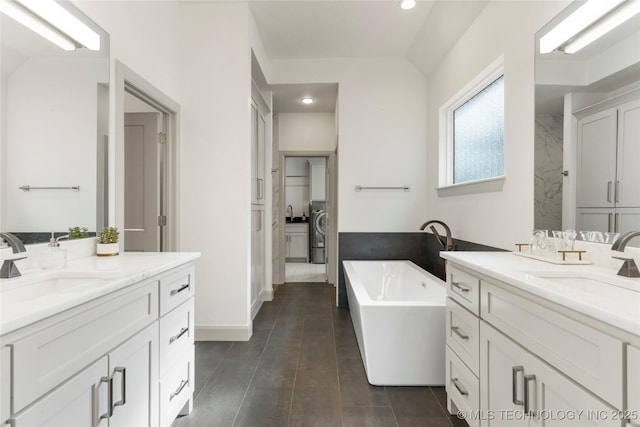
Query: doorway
307	200
144	174
146	165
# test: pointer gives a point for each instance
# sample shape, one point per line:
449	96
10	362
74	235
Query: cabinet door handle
109	412
456	383
180	289
183	384
460	287
123	387
616	223
610	223
527	395
609	191
514	384
459	333
260	189
616	192
178	335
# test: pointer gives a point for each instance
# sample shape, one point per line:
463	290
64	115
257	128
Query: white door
142	183
135	388
257	260
628	179
597	159
81	402
502	374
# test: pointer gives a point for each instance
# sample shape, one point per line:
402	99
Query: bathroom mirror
54	132
570	88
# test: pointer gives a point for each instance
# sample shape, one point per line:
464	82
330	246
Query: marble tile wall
548	172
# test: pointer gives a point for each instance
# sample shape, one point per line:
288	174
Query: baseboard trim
223	332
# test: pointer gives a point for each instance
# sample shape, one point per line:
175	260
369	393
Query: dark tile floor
302	368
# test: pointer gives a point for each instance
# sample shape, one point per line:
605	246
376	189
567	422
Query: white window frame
446	186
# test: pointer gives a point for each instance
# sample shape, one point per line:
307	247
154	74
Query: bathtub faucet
447	242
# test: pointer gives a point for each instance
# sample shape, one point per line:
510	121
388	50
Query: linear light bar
62	19
573	24
617	17
9	8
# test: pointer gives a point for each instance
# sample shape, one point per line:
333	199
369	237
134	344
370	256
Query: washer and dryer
317	231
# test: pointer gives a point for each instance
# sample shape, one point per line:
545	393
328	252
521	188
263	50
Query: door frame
128	80
332	202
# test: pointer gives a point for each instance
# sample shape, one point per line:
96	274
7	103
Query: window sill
488	185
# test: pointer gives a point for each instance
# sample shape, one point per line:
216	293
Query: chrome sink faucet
290	212
9	268
629	268
446	243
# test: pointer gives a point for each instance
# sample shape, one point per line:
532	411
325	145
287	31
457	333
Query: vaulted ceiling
305	29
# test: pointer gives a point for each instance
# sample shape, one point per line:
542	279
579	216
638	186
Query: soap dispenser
53	256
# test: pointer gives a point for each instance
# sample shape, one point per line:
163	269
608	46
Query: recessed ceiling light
407	4
307	100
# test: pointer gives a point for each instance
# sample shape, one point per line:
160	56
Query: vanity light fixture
65	21
307	100
11	9
59	21
578	21
407	4
615	18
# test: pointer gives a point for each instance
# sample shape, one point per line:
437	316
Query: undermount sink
49	284
586	280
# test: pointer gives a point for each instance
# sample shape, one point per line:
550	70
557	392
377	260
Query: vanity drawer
176	289
588	356
462	386
463	335
176	334
633	384
52	355
176	388
464	289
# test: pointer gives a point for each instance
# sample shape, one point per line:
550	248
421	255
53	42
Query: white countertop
616	302
38	294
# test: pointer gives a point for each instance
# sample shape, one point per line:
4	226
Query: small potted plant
108	242
77	232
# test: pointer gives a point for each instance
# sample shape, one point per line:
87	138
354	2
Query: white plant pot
107	249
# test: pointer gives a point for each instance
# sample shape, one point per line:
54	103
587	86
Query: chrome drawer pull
180	334
180	289
457	331
527	403
456	383
123	387
459	286
183	384
109	382
514	384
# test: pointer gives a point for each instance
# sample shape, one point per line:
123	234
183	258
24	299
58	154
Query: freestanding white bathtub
398	313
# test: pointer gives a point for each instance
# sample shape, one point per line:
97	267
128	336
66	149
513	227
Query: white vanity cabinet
518	360
176	345
633	386
102	362
118	390
297	240
519	389
463	345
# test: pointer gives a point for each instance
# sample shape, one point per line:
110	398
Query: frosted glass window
478	135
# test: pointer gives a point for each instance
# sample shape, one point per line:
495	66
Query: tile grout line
264	348
295	375
333	330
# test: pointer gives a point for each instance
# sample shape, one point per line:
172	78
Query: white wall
502	218
51	138
307	132
382	131
199	55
